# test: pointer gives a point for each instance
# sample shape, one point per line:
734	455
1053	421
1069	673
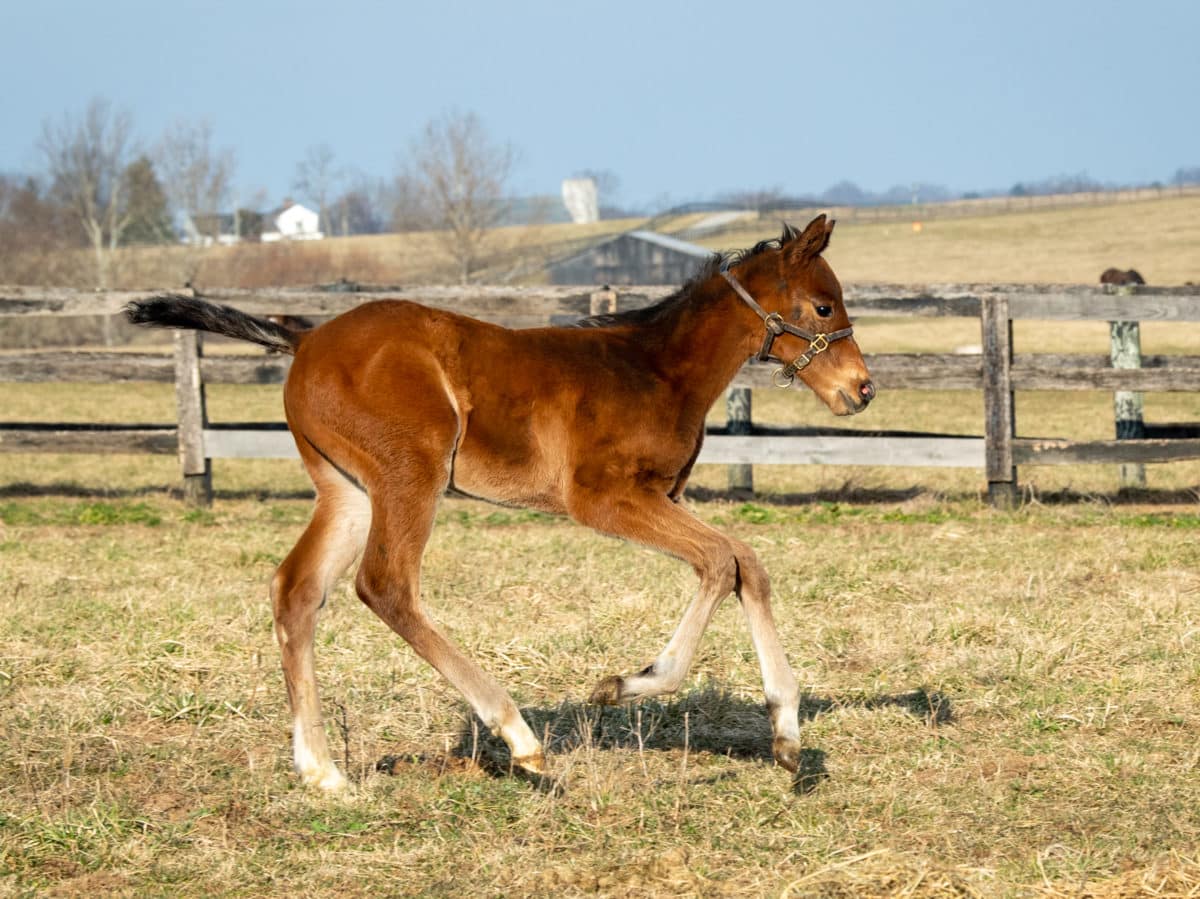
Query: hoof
329	780
534	763
787	754
608	691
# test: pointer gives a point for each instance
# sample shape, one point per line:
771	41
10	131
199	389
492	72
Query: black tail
174	311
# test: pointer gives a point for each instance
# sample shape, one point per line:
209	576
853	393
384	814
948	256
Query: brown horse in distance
392	404
1117	276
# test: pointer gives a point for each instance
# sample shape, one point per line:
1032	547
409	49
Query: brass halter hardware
775	325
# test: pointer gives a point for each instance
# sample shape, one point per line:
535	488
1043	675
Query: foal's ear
801	247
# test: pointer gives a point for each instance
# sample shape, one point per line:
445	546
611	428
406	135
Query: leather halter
776	326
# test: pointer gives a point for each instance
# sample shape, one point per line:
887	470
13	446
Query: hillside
1160	237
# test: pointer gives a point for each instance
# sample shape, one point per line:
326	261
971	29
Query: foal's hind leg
389	583
333	538
723	566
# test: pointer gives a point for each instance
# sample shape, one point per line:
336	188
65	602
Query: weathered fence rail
998	372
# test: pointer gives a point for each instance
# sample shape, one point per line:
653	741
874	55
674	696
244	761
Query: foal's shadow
710	721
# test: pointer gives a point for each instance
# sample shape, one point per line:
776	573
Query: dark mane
663	308
737	257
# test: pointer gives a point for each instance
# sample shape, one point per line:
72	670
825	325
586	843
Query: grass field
996	703
1065	245
1073	246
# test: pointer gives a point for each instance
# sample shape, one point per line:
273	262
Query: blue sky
679	100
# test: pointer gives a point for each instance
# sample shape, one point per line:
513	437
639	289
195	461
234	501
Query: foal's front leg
667	672
723	566
779	683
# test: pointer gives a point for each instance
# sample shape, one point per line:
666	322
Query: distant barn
637	257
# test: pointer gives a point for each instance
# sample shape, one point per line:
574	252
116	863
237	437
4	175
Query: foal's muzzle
857	403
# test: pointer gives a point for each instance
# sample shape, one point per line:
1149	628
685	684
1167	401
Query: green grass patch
194	707
831	513
114	514
19	514
203	517
1181	520
28	513
475	518
756	514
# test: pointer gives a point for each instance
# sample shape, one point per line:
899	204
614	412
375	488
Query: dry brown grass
1066	245
1157	237
513	253
973	727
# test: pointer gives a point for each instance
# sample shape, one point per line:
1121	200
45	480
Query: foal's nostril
867	391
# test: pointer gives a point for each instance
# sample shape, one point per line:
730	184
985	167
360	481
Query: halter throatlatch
776	326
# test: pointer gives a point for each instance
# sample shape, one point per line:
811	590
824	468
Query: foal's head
802	302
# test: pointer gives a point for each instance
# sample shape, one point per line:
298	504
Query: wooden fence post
603	302
1126	352
998	407
192	416
739	423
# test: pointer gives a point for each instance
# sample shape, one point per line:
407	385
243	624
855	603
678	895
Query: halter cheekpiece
776	326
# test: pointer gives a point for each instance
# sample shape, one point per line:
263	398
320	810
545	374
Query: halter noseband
776	326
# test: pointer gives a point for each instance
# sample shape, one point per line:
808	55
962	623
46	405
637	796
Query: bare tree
87	159
317	178
461	177
608	186
30	219
757	200
35	230
406	199
195	176
359	209
1186	175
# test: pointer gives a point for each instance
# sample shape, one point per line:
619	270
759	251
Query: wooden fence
997	372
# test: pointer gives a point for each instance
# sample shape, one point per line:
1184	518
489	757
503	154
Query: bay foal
392	404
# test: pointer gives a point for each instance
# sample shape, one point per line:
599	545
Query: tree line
100	187
848	193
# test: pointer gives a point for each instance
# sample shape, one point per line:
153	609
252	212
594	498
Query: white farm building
294	222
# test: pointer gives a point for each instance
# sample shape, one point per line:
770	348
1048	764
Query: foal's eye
824	311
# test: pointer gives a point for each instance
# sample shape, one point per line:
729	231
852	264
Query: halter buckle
785	376
774	323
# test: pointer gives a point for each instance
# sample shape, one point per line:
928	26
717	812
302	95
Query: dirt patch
97	883
436	764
